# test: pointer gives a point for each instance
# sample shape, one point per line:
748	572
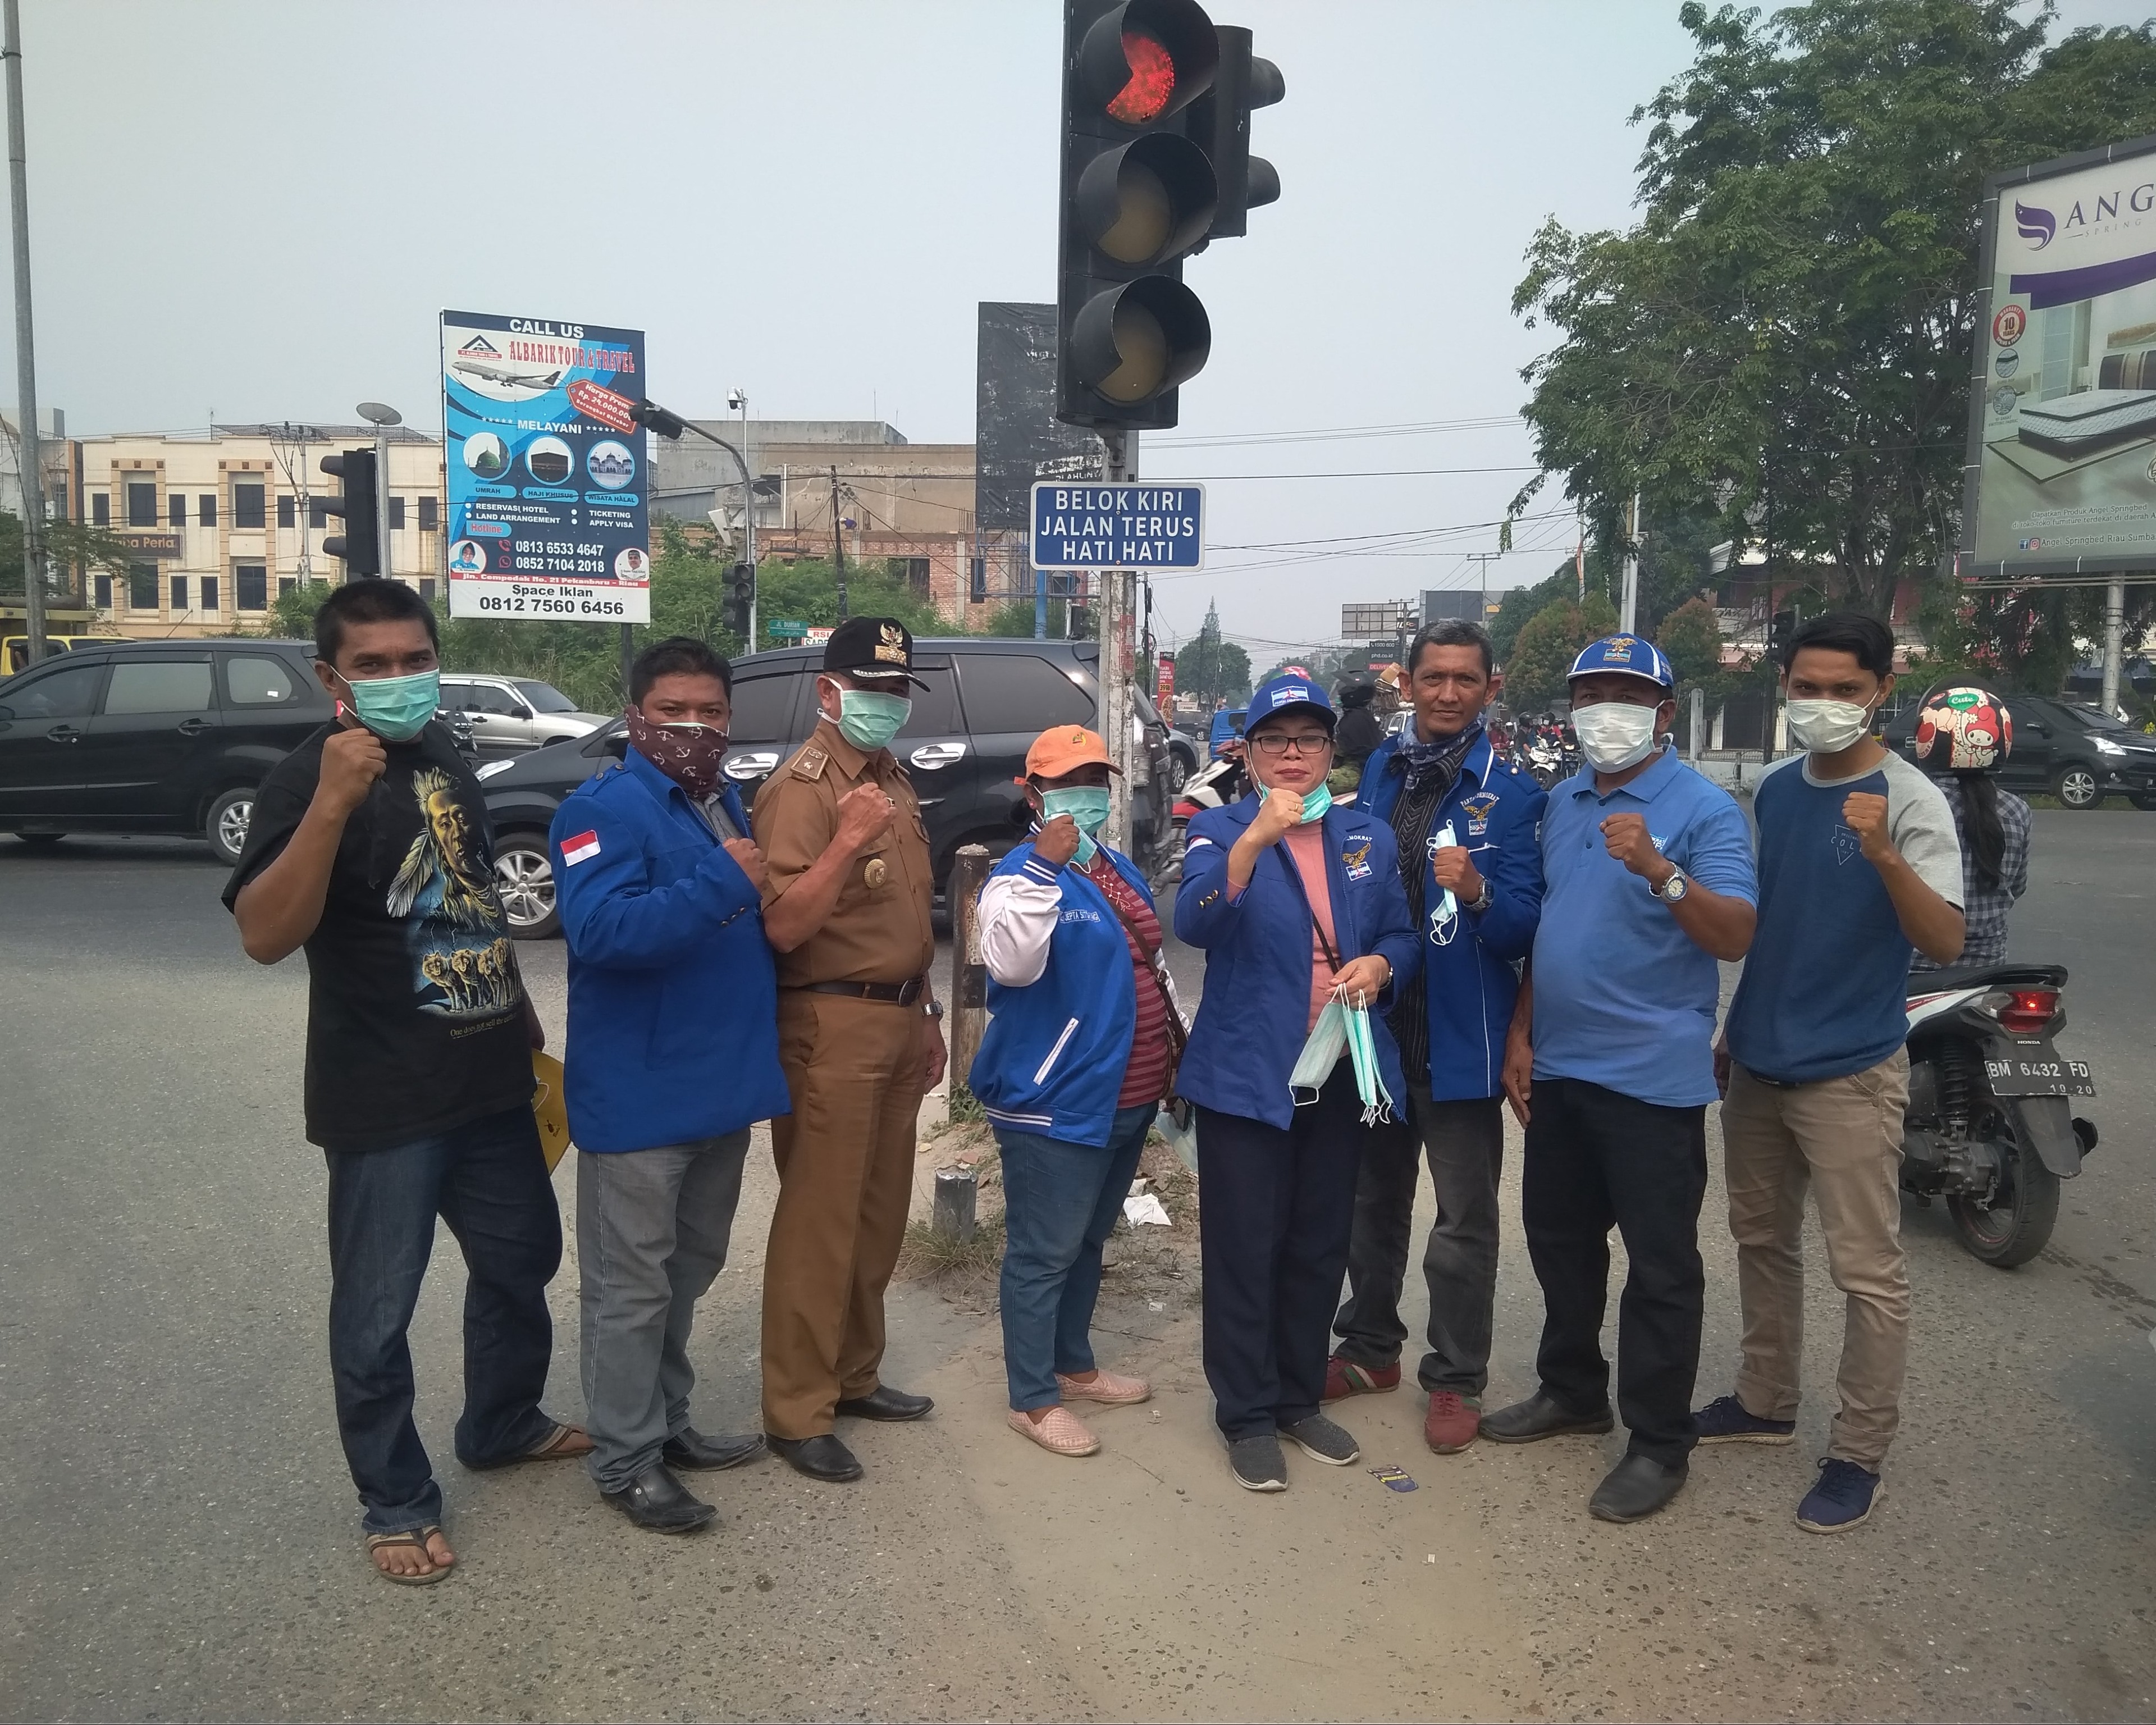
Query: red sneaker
1344	1377
1452	1421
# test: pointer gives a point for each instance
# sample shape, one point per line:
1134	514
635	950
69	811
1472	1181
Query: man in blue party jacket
673	1054
1471	864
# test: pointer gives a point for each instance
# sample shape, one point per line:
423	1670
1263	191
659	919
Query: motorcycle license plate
2039	1072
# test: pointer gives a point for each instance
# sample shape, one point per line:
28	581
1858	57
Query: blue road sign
1132	527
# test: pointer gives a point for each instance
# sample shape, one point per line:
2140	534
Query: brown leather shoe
1452	1422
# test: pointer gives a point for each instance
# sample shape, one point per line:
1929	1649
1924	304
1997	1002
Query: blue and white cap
1626	654
1276	695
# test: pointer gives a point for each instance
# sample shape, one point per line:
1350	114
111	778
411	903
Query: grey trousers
652	1227
1465	1144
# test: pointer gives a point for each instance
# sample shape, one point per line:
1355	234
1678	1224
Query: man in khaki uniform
859	1040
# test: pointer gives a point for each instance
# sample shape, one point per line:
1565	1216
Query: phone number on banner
492	598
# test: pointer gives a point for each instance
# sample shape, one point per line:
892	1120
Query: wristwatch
1673	889
934	1009
1482	899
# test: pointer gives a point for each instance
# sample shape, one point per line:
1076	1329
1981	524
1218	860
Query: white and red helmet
1963	731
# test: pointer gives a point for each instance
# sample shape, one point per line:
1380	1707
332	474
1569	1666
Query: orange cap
1065	750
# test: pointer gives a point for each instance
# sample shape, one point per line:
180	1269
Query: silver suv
511	715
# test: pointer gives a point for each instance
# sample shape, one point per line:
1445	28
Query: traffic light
358	545
1220	124
740	599
1157	162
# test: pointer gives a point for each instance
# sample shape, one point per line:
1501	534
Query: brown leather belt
904	993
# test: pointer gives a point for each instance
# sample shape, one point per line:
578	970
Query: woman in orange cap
1079	1052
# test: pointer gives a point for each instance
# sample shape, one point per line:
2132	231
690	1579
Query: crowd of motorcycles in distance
1989	1128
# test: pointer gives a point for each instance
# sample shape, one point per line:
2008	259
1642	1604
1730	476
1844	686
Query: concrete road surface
181	1539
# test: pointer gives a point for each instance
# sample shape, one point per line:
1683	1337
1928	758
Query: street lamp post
381	417
670	426
738	400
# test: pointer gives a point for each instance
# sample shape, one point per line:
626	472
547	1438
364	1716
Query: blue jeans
1061	1202
488	1181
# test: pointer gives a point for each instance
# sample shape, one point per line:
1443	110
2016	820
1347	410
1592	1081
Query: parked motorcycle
1221	781
1989	1126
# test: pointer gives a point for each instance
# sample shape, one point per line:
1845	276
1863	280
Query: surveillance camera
736	401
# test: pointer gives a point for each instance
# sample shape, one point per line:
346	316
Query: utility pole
837	546
740	402
26	370
1628	612
2114	639
1122	464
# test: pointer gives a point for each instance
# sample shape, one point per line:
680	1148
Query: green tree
68	546
1542	654
1212	670
1691	640
1783	340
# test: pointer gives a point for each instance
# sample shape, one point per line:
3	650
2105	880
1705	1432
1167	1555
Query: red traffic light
1148	60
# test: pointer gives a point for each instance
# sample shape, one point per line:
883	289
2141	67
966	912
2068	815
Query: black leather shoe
1540	1417
884	1403
821	1458
656	1500
690	1448
1635	1489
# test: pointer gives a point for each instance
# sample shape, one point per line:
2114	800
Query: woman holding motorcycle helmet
1964	734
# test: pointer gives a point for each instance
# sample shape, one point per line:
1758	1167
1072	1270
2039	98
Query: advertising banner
2060	476
1164	689
547	488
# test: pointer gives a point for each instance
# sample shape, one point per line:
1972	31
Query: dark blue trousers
1274	1211
488	1181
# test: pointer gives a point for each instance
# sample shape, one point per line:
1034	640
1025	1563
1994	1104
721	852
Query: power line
1418	428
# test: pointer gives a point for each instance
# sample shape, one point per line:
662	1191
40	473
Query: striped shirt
1985	909
1145	1079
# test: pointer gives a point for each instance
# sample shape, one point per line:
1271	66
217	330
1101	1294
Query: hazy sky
257	209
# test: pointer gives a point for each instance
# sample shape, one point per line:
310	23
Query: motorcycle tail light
2025	1011
1186	811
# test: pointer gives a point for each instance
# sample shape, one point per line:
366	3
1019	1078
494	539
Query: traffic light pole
1121	466
26	372
382	501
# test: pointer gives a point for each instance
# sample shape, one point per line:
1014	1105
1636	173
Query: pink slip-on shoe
1105	1388
1060	1432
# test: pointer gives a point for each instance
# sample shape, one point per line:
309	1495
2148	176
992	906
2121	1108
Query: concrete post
2114	637
967	999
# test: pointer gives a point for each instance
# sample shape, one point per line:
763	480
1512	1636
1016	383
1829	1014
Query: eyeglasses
1303	742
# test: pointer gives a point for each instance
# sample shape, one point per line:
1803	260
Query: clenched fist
353	759
866	814
744	853
1452	869
1864	813
1626	838
1057	842
1281	810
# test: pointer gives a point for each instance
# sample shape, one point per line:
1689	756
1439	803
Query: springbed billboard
2060	473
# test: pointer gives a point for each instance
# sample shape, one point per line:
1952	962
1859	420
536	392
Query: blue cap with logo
1626	654
1278	695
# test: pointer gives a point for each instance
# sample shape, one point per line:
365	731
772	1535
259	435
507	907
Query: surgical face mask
1315	803
1827	728
1087	806
1615	734
869	719
395	709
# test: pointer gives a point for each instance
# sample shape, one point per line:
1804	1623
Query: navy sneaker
1724	1420
1841	1500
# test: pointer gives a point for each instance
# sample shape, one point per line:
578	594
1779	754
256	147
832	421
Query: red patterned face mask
691	755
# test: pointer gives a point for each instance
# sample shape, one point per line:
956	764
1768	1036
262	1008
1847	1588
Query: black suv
964	743
154	737
2071	749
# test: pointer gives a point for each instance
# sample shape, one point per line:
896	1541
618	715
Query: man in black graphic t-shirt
369	846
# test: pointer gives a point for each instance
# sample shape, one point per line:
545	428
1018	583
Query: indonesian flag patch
580	847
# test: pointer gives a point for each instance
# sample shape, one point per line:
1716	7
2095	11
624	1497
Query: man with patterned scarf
1469	857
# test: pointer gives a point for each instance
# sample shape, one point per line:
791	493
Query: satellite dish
375	413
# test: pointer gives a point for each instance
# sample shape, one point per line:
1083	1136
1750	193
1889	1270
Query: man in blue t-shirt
1859	863
1649	879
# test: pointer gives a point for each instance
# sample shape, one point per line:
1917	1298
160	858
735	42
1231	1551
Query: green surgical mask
395	709
868	719
1316	802
1087	806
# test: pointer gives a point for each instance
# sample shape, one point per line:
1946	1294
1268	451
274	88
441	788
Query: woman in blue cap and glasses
1299	905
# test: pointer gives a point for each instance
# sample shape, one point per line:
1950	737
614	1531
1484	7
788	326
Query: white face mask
1827	728
1615	734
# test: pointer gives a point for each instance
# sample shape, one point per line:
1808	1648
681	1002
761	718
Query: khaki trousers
1842	1138
845	1181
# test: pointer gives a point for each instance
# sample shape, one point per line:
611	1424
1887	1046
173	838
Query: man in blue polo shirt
1649	881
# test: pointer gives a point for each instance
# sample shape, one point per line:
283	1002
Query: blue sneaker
1724	1420
1841	1500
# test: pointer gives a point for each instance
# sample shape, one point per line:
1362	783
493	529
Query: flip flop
553	1447
417	1538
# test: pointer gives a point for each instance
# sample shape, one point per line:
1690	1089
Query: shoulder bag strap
1295	874
1178	1036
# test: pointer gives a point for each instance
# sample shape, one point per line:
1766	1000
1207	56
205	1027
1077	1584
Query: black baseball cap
874	649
